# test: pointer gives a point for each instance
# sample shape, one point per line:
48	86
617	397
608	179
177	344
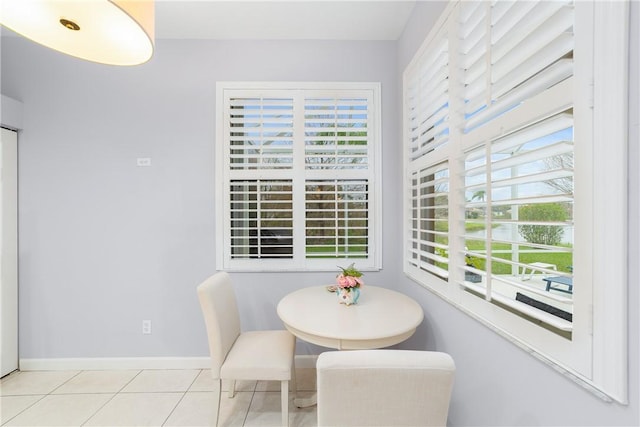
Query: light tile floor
144	398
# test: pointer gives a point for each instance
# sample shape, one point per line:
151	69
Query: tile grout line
42	396
182	397
55	388
110	399
174	409
244	421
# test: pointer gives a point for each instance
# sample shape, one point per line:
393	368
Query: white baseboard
109	363
113	363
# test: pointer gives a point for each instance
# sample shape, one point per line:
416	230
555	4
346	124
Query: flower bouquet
349	282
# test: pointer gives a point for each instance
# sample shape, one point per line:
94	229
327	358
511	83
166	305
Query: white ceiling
277	20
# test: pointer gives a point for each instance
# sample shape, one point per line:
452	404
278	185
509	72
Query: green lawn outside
563	260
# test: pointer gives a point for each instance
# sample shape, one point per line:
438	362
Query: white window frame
298	262
596	357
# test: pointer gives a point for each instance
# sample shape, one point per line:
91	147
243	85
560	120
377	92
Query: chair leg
293	384
217	391
284	397
232	388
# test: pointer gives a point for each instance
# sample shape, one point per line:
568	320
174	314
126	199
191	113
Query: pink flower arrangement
349	278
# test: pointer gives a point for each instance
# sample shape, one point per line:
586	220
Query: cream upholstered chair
236	355
384	388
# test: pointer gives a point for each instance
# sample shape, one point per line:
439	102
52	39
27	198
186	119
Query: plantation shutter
511	52
261	219
534	99
260	153
427	97
427	120
336	133
519	178
337	210
428	234
261	133
336	218
299	172
513	178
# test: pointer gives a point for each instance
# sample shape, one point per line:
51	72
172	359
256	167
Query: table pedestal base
306	402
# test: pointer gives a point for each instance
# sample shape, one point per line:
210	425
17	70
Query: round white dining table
381	317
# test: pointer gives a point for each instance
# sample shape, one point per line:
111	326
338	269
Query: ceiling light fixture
116	32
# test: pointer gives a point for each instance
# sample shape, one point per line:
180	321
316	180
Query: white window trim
374	261
610	119
601	312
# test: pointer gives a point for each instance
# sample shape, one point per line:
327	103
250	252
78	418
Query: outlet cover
146	327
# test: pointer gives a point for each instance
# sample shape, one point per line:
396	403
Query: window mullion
488	221
488	195
456	165
299	178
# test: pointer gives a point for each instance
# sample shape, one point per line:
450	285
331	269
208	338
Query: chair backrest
384	388
220	310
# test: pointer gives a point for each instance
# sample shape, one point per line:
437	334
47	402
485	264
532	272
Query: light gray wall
105	244
496	382
10	113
